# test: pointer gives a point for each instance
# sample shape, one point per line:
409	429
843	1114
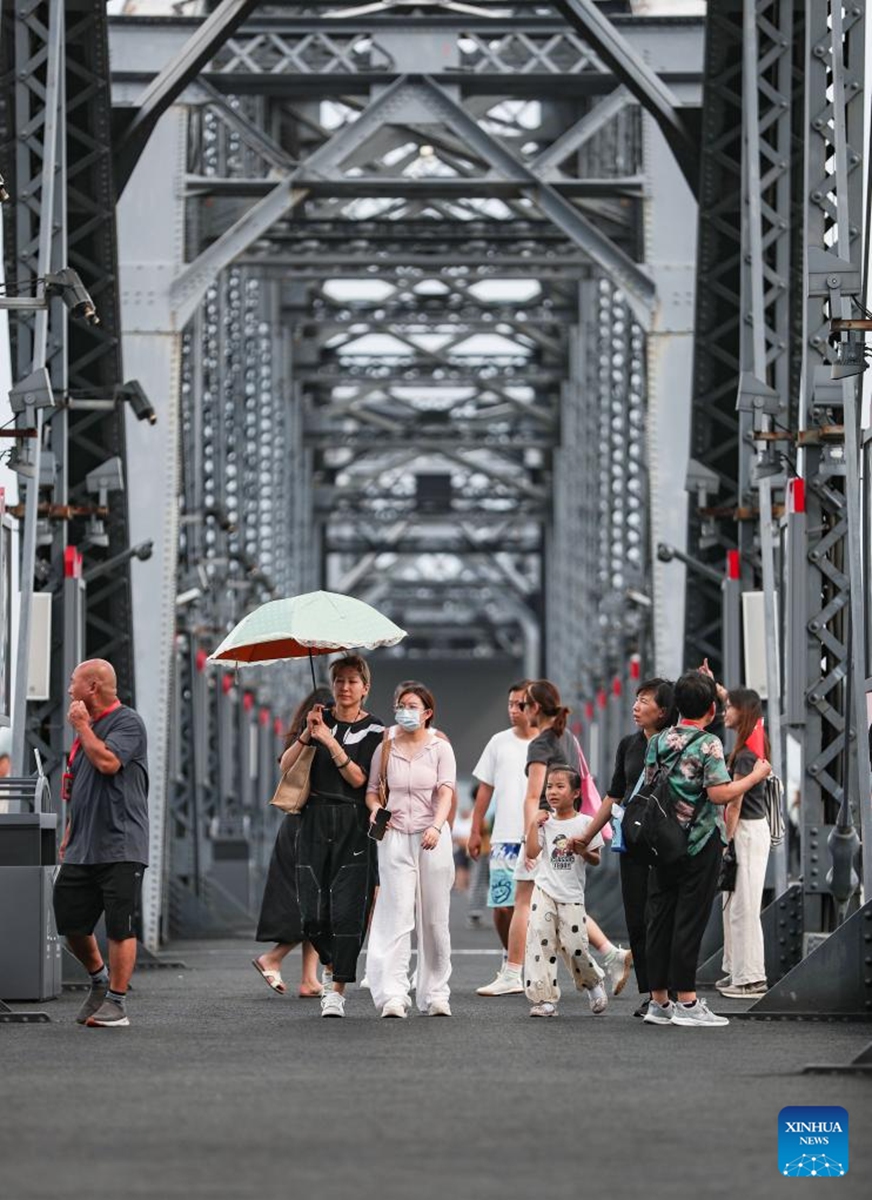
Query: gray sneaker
93	1002
697	1014
659	1014
110	1015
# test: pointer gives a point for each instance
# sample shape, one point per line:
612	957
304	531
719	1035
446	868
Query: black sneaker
642	1010
94	1001
110	1015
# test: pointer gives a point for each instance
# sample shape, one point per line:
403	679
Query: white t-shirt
501	767
561	874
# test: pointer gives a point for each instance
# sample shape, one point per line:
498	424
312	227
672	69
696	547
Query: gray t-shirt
109	813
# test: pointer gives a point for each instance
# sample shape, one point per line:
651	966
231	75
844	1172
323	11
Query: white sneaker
326	980
438	1008
395	1008
698	1014
332	1004
507	983
364	983
544	1010
618	966
597	999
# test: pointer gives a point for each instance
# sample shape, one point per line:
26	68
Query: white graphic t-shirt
561	873
501	767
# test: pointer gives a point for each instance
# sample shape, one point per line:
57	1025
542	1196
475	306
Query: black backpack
652	831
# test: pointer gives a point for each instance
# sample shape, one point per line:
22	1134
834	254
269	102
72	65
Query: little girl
557	916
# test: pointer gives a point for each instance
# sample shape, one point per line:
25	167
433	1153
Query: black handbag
729	867
652	830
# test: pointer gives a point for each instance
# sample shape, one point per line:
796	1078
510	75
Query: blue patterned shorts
503	860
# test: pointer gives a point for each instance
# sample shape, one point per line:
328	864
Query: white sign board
754	643
39	660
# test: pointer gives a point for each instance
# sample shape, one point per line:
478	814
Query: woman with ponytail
745	819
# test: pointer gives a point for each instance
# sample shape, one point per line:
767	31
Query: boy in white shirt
557	914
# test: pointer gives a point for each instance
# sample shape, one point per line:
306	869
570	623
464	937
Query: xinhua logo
813	1142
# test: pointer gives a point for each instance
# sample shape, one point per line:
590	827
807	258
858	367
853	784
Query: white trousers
414	894
556	930
744	960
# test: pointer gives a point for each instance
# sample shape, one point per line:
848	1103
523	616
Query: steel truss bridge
516	320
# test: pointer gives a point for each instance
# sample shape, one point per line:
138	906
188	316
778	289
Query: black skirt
321	883
280	919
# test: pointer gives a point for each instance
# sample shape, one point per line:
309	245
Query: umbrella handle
312	668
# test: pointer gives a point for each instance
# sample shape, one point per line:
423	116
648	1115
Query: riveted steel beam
638	78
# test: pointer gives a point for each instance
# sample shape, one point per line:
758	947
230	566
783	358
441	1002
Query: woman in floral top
680	896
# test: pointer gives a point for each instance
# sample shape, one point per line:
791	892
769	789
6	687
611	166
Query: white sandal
273	978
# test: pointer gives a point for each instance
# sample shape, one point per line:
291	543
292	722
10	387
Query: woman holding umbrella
335	863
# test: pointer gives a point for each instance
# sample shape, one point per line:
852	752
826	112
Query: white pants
744	959
556	930
414	894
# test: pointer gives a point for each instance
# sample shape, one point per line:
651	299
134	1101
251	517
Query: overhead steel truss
423	417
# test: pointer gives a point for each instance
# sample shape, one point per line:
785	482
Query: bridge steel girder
638	78
172	80
308	55
83	359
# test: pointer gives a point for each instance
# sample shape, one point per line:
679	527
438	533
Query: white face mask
408	718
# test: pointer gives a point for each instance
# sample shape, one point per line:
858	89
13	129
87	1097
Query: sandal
273	978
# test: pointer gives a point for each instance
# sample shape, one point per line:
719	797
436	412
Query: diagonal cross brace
638	78
426	99
174	78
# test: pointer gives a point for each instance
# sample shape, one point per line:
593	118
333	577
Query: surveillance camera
144	550
132	391
67	284
95	533
4	195
108	477
185	598
851	358
665	552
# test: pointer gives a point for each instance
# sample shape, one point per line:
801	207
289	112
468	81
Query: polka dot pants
556	931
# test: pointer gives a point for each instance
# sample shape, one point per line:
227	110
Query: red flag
755	741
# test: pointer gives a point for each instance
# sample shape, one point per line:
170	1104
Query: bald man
104	851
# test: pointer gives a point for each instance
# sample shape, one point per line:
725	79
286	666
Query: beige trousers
744	959
556	931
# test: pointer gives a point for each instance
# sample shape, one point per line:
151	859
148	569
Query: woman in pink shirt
415	861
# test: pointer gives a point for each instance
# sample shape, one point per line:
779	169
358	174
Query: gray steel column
764	352
834	73
670	249
51	240
151	244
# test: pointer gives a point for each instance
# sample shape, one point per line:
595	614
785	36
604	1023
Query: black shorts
83	893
